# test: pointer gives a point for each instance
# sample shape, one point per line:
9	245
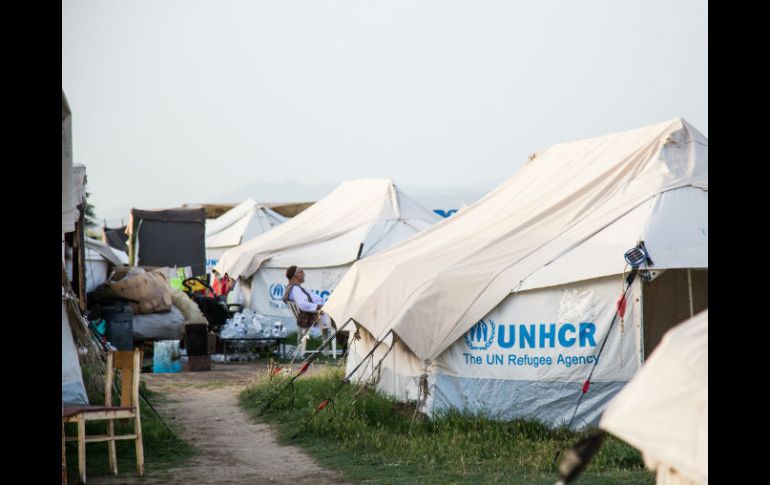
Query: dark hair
290	272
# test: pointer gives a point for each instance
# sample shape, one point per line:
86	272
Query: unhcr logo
276	291
481	335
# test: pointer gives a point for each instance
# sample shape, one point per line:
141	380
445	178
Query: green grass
374	440
312	344
163	449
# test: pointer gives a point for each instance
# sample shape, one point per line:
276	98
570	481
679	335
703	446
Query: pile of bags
160	311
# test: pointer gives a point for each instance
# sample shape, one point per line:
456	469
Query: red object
221	287
276	370
622	305
323	404
227	285
586	385
304	368
217	286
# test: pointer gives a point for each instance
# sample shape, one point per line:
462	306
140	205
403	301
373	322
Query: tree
90	214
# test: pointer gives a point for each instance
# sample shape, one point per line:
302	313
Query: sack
190	310
149	292
306	319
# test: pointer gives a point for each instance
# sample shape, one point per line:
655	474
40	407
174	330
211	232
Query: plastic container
166	357
120	326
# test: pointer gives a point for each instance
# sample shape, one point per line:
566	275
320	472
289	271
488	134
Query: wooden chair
130	364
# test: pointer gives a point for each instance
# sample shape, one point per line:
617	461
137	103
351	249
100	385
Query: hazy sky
180	101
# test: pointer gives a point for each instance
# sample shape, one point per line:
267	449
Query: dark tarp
116	238
169	237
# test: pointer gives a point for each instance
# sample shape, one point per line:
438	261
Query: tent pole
641	323
689	289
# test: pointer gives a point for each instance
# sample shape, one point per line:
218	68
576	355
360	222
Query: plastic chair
326	328
303	335
130	364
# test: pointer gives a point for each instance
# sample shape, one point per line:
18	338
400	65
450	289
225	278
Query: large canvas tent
240	224
168	237
356	220
502	308
663	411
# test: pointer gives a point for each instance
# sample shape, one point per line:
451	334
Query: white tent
69	203
356	220
240	224
502	308
663	411
73	389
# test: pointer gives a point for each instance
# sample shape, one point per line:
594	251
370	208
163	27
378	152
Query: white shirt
300	298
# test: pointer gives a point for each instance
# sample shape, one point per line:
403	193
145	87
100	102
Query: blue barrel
120	326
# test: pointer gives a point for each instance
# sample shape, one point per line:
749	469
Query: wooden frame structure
130	364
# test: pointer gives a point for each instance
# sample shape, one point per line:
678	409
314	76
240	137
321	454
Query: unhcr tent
502	308
663	411
240	224
358	219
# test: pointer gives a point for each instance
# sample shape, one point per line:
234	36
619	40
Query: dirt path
233	449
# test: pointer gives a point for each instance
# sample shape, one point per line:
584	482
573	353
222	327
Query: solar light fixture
637	255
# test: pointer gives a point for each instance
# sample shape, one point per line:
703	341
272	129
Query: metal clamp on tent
578	456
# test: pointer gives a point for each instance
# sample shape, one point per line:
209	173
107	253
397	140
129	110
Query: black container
197	339
120	326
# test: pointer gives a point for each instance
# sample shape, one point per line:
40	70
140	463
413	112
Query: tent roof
454	273
673	226
114	256
241	223
663	411
65	107
68	199
331	231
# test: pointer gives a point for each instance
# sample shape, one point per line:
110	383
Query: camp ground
504	309
385	243
541	302
360	218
